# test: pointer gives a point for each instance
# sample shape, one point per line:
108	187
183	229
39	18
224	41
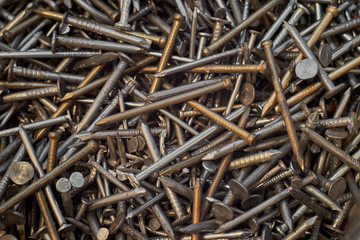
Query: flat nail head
325	54
238	189
21	172
306	69
222	211
77	179
63	185
337	188
252	201
337	89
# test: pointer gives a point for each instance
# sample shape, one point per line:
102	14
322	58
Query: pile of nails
179	119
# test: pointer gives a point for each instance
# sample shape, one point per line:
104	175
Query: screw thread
334	122
252	159
276	178
339	218
175	204
4	183
296	216
85	25
344	198
316	229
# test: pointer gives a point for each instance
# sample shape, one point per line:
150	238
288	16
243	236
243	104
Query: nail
332	90
102	95
340	154
252	212
54	138
295	17
45	211
243	25
253	159
178	19
197	63
289	124
93	44
311	204
284	208
196	206
307	224
21	172
94	27
130	194
57	212
163	103
42	181
123	22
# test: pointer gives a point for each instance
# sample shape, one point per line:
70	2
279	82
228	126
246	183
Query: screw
177	187
219	24
292	170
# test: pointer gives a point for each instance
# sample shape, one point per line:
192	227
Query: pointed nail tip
101	122
265	110
208	157
160	74
219	230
